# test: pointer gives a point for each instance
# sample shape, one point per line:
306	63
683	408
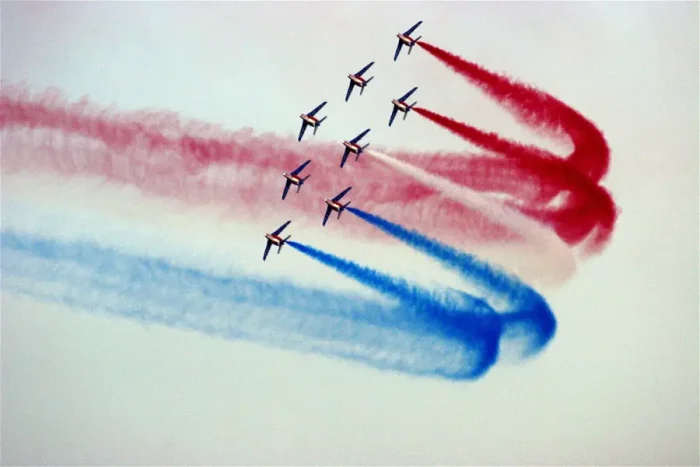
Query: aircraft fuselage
352	146
312	121
400	105
405	39
358	80
292	178
274	239
336	206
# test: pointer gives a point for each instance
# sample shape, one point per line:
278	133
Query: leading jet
400	105
334	205
407	40
352	146
309	119
358	80
294	179
275	239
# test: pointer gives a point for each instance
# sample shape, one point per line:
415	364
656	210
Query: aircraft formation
351	146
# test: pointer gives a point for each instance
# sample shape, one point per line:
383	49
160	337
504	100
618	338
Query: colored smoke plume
584	208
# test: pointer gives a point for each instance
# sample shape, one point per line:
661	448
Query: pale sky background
618	384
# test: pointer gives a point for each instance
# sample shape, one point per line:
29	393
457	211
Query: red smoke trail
163	155
587	205
591	155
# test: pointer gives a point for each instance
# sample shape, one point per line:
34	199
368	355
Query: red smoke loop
584	207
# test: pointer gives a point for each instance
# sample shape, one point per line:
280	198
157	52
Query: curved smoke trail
418	332
165	155
585	207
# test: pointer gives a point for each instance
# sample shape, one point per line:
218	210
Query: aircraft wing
347	94
286	188
267	249
367	67
408	94
393	115
342	193
345	157
398	49
282	227
301	167
320	106
412	28
303	129
328	214
360	136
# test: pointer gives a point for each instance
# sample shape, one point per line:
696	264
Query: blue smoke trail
469	320
418	334
528	315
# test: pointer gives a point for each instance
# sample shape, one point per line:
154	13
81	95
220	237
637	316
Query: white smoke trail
557	254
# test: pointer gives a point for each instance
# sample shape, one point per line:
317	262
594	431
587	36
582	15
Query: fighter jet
294	179
275	239
358	80
407	40
400	105
334	205
352	146
309	120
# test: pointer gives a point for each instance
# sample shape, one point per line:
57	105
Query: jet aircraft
334	205
275	239
309	119
407	40
294	179
358	80
352	146
400	105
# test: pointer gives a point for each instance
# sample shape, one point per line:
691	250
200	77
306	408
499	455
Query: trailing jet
352	146
275	239
358	80
310	120
334	205
400	105
407	40
294	179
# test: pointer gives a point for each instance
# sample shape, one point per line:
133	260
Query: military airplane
352	146
309	119
275	239
294	179
334	205
358	80
407	40
400	105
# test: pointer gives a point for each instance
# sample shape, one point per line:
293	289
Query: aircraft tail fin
302	182
343	208
360	151
321	121
410	107
367	82
279	249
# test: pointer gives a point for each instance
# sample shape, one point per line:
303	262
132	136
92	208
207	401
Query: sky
617	383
